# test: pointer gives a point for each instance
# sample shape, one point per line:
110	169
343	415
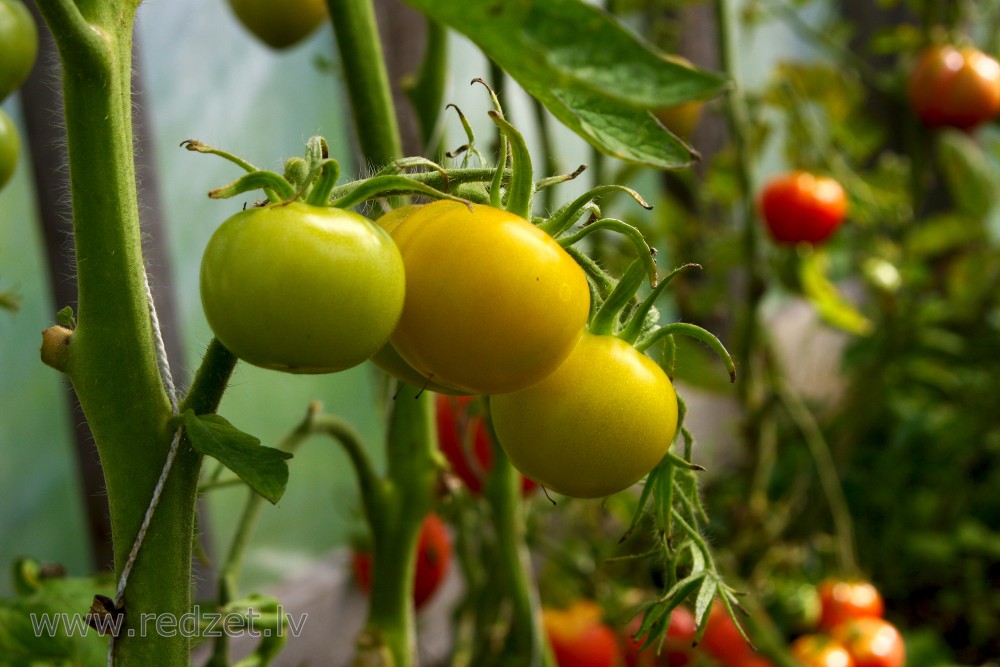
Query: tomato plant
593	427
579	638
844	600
10	148
820	651
677	646
280	24
433	561
872	642
956	87
301	288
18	45
493	304
802	207
465	441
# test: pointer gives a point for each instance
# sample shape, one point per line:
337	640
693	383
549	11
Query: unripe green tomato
280	23
301	288
593	427
18	45
10	148
493	304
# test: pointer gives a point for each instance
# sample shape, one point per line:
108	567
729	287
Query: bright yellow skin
300	288
280	23
595	426
493	304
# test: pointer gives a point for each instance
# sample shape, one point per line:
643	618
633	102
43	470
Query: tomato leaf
831	305
262	468
973	180
589	71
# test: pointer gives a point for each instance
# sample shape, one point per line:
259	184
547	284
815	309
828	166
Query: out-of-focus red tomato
802	208
955	87
820	651
842	600
677	646
872	642
579	638
722	638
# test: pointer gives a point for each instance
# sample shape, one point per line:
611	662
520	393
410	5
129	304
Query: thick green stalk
112	362
396	521
525	643
367	80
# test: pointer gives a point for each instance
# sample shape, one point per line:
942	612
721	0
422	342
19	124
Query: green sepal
569	213
522	185
380	186
643	252
606	319
257	180
696	332
637	321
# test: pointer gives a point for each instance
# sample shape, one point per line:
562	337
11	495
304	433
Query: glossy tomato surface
493	304
18	45
10	148
433	561
872	642
956	87
280	23
579	638
820	651
593	427
301	288
802	208
843	600
464	439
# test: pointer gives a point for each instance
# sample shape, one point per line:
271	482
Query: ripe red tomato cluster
433	561
955	87
580	638
854	632
802	208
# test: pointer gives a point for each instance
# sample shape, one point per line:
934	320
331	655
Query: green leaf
831	305
66	317
263	468
587	69
972	180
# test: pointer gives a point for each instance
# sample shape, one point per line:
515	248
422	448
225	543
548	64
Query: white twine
168	385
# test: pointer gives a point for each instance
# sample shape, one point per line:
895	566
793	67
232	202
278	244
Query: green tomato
18	45
280	23
10	147
595	426
493	304
301	288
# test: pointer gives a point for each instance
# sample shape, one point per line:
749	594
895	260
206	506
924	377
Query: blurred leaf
827	299
943	234
974	182
587	69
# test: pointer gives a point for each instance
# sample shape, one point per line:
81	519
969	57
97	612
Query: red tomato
722	638
677	647
433	560
803	207
820	651
845	600
579	638
465	442
752	660
872	642
955	87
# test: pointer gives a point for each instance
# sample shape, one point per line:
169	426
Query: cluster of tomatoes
18	50
947	87
850	633
456	297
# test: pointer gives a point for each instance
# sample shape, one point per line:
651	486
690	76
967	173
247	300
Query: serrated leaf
262	468
588	70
